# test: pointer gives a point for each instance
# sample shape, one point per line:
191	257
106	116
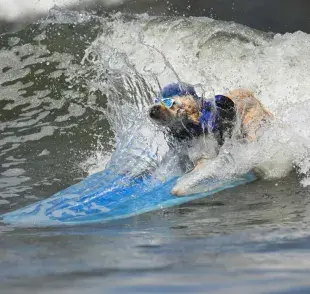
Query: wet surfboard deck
104	197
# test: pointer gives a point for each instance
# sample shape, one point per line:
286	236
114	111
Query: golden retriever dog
187	116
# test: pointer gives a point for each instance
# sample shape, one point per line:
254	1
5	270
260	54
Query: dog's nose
154	111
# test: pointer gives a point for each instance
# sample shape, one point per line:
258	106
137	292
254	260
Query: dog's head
178	104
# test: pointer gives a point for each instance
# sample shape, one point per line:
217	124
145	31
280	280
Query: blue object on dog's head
169	102
178	89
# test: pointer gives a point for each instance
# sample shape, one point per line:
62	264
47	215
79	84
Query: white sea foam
137	56
17	9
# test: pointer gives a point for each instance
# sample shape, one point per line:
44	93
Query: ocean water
74	89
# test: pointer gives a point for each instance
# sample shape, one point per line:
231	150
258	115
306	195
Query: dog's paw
177	191
186	184
194	181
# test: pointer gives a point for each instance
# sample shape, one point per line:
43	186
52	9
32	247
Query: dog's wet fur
250	114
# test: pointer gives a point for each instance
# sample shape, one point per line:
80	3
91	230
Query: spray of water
135	56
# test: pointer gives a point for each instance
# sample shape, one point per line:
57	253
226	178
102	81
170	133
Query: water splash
61	90
218	57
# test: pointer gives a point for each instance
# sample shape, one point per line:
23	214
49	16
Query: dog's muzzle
155	112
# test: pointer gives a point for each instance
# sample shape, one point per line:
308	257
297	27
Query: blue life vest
216	114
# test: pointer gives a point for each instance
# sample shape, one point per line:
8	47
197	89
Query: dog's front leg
207	149
188	183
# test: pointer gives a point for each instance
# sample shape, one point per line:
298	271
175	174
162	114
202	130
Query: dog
186	116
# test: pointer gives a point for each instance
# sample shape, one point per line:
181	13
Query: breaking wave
135	56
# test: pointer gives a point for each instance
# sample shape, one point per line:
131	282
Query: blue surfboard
107	196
